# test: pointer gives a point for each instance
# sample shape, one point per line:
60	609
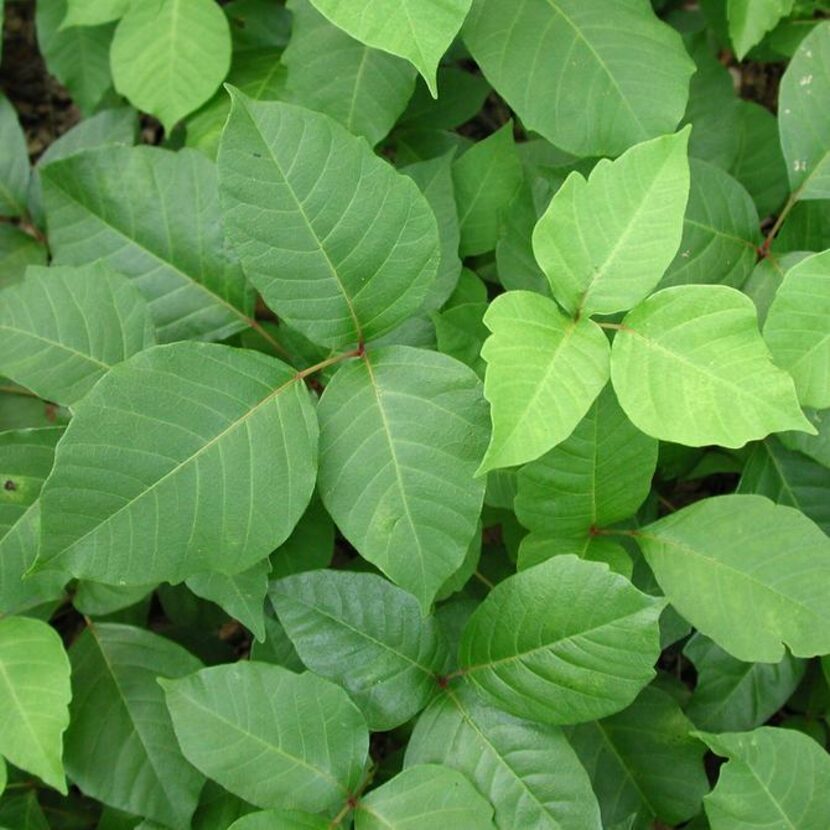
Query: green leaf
366	635
732	696
401	433
97	599
424	795
750	21
118	710
362	88
797	332
503	755
170	503
462	96
341	246
14	163
642	761
486	178
804	122
34	696
817	446
419	30
154	217
544	371
743	558
605	242
169	56
282	819
93	12
774	777
689	366
460	333
807	228
310	545
18	251
573	70
272	737
22	812
63	328
563	642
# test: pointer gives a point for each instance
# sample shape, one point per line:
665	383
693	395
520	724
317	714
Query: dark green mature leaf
503	756
275	738
402	431
340	244
22	812
154	217
563	642
63	328
462	96
544	55
310	545
118	708
14	163
721	560
170	503
367	635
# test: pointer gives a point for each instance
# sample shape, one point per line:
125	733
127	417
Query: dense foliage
429	427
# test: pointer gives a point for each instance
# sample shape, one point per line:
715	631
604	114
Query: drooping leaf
14	163
275	738
563	642
34	696
341	246
366	635
689	366
169	56
171	503
605	242
544	371
402	431
579	46
93	12
154	217
118	709
744	558
750	21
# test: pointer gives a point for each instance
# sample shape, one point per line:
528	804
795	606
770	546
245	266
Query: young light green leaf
342	246
169	56
689	366
63	328
93	12
797	329
502	755
368	636
744	558
774	777
118	708
272	737
34	696
170	503
14	163
543	55
563	642
544	371
419	30
424	795
402	431
750	21
282	819
153	216
605	241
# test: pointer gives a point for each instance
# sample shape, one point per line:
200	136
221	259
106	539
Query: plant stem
764	250
331	361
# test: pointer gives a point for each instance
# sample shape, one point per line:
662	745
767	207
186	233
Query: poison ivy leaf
34	695
422	795
689	366
543	56
18	251
719	560
22	812
502	755
460	332
566	641
401	433
732	696
544	371
258	24
154	217
310	545
750	21
807	228
283	819
539	546
97	599
169	56
773	775
141	512
419	30
817	446
14	163
486	177
642	761
368	636
93	12
342	246
366	90
797	332
462	96
118	709
218	808
63	328
275	738
804	122
766	278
